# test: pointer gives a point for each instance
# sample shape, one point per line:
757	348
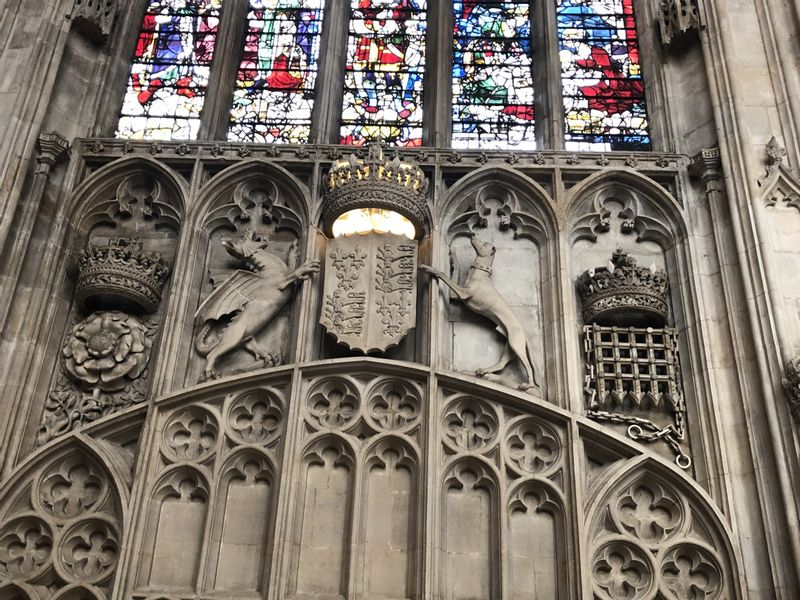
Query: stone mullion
329	89
432	459
227	56
438	83
289	460
549	102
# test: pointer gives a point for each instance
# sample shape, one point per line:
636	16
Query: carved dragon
480	296
246	301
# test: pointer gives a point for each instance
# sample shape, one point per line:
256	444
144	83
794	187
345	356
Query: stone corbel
53	149
791	385
706	166
94	19
678	20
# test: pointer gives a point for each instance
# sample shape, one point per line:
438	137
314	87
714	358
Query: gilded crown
376	183
623	293
119	275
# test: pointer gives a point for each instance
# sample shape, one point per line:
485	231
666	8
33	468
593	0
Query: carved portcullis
370	294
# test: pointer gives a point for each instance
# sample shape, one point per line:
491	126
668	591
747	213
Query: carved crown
120	275
376	183
623	293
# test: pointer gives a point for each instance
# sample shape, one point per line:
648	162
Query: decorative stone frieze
678	19
791	385
94	19
623	291
120	274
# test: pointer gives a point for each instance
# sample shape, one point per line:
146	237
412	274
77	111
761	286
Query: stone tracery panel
60	532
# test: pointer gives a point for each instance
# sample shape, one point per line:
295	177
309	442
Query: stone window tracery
301	71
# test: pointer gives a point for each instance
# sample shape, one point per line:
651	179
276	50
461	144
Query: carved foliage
498	204
779	186
62	534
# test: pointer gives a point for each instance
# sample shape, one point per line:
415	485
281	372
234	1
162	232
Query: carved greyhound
251	299
480	296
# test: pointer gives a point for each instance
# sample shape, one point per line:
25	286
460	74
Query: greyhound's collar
485	269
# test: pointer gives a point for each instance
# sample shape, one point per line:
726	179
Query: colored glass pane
383	78
601	76
170	70
274	92
492	75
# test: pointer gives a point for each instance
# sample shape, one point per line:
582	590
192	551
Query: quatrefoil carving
531	447
690	571
88	551
71	487
191	434
26	544
255	417
470	424
333	404
649	512
394	405
622	571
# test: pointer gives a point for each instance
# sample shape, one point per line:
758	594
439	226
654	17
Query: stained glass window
383	78
274	92
492	75
601	76
169	75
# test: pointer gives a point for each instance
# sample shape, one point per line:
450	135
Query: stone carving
246	302
780	185
791	385
334	403
191	434
531	447
480	296
54	148
691	571
255	417
120	275
25	547
71	487
376	183
622	571
104	369
676	19
649	512
470	424
94	18
107	350
394	405
88	551
370	290
624	291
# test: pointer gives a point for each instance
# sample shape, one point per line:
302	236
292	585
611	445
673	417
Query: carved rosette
623	288
106	350
370	296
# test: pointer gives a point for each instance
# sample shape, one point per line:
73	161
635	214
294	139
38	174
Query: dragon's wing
231	296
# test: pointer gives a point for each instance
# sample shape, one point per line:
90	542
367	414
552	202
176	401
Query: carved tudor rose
374	210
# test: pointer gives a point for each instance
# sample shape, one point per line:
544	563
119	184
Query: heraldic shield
370	290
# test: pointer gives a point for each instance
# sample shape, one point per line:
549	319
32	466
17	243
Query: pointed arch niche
252	198
124	218
508	209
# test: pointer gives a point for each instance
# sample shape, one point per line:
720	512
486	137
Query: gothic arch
63	503
654	213
667	529
102	185
530	211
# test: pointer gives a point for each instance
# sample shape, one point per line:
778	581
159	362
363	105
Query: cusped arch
651	507
60	449
85	204
654	214
220	189
528	208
